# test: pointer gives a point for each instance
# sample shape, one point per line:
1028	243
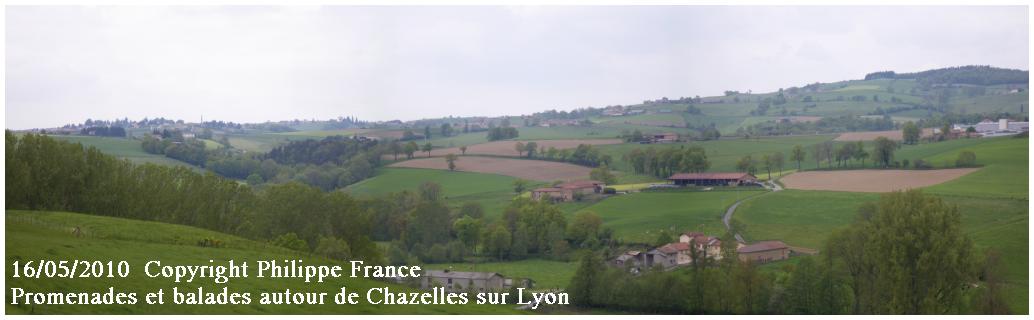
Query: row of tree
667	161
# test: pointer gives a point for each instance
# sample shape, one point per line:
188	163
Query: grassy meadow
639	217
123	148
494	192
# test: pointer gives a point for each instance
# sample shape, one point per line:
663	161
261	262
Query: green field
1003	175
798	217
639	217
993	204
494	192
547	274
123	148
34	235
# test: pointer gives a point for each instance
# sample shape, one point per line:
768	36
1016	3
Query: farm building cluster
464	281
568	191
990	128
696	245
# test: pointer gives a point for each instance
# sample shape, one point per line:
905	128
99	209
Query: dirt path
774	187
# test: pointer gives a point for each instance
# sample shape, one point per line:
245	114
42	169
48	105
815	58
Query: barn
764	251
712	179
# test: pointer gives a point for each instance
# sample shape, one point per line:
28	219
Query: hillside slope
35	235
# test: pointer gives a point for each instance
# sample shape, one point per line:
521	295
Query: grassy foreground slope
34	235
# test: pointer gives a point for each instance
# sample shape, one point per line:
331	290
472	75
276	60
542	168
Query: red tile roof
763	246
674	247
547	190
711	176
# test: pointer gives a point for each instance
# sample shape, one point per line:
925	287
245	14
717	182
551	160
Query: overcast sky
252	64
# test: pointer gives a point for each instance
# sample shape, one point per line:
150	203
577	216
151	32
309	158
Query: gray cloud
249	64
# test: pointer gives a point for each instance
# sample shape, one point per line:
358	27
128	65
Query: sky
253	64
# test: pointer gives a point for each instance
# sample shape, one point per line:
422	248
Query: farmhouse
568	191
673	255
667	137
669	256
713	179
459	281
764	251
630	260
709	246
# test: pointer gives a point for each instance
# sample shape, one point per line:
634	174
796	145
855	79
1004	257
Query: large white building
995	128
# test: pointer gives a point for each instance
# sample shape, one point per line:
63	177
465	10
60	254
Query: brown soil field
506	148
803	118
658	123
537	170
872	135
388	134
871	180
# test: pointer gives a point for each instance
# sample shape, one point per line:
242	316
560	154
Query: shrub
922	164
966	159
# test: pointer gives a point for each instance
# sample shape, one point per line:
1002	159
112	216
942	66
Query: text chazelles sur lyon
222	273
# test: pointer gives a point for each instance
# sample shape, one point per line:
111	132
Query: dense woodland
972	75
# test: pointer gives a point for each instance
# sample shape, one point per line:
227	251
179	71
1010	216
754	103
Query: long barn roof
711	176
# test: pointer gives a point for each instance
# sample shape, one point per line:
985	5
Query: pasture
123	148
1004	174
640	217
493	192
35	235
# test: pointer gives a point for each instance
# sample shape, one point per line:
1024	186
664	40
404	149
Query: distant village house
568	191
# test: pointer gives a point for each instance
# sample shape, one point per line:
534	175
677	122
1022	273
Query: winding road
774	187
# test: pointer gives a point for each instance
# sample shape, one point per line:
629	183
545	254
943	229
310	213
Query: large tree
883	151
910	133
906	254
798	155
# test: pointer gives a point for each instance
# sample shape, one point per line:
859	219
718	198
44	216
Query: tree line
824	125
46	174
422	228
664	162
